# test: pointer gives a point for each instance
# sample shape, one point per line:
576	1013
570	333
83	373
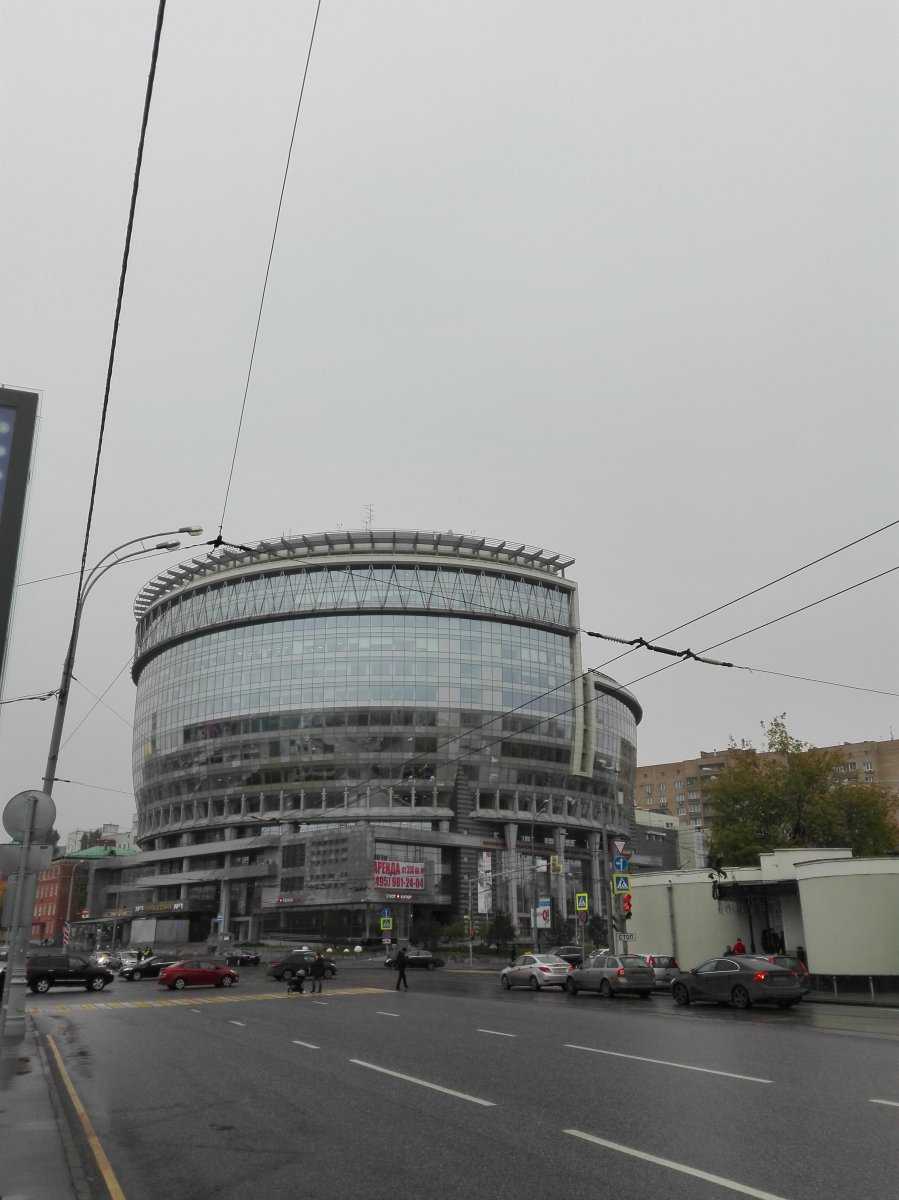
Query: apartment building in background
682	789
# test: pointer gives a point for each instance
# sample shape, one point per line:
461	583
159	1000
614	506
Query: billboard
401	876
485	882
18	412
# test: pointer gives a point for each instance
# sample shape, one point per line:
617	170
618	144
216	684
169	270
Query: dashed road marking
308	1045
497	1033
730	1184
662	1062
172	1002
435	1087
890	1103
242	1024
381	1013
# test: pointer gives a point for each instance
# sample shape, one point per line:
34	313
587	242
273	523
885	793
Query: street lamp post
109	560
541	807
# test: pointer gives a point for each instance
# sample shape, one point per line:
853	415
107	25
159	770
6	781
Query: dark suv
299	960
58	968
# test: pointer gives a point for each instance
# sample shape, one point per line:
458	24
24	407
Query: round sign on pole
582	917
18	811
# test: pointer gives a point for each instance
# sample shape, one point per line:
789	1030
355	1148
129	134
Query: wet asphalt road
455	1089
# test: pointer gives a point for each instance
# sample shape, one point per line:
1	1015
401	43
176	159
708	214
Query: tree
794	796
501	931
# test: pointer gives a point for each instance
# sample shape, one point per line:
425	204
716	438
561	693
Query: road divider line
890	1103
731	1184
497	1033
197	1010
308	1045
103	1164
323	1003
435	1087
242	1024
663	1062
381	1013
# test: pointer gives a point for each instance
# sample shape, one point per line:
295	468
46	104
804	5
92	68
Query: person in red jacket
739	948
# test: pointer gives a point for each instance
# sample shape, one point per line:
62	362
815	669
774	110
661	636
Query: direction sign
581	902
619	862
385	911
386	924
621	884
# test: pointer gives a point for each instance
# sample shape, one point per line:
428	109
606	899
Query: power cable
96	786
35	696
129	229
99	701
853	687
268	267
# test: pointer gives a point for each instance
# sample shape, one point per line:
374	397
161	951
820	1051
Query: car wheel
137	975
97	984
535	983
571	987
605	990
41	986
288	975
680	995
739	997
179	984
227	981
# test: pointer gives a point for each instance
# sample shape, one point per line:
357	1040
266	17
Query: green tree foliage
501	930
795	796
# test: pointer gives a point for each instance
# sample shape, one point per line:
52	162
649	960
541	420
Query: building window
868	765
647	789
663	788
851	765
678	785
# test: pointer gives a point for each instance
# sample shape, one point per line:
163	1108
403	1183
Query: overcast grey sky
618	280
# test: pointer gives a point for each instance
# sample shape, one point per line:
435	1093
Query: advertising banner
544	913
485	883
391	873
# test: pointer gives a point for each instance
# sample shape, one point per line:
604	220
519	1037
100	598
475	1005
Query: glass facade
332	687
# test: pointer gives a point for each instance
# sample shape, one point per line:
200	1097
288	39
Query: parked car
57	968
108	959
197	972
740	980
535	971
241	958
145	968
571	954
418	958
664	968
793	963
613	975
298	960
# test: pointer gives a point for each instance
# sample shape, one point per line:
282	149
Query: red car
197	972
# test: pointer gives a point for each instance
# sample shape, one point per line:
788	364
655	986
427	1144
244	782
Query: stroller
296	983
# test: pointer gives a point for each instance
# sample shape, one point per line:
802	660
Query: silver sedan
613	975
535	971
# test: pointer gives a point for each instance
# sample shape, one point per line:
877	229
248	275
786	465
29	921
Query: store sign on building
390	872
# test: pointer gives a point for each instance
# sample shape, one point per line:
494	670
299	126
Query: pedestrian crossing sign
386	924
621	884
581	901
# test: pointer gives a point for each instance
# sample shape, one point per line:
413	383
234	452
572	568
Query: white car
535	971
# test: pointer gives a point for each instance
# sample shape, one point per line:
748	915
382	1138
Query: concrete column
511	882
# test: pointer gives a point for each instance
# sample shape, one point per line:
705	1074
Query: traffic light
627	905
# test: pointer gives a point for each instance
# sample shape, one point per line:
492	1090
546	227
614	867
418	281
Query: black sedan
299	960
241	958
418	958
741	980
146	968
571	954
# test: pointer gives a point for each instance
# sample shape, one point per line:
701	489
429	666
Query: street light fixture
110	559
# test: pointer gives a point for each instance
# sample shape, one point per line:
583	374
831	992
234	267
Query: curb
86	1183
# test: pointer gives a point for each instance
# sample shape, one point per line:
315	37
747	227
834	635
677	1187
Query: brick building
682	788
61	892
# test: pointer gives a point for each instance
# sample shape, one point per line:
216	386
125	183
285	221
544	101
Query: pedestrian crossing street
193	1000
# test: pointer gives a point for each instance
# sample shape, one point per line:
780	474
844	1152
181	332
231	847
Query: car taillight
545	970
673	965
760	976
620	971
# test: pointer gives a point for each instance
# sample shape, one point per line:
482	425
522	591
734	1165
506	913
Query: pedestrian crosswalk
193	999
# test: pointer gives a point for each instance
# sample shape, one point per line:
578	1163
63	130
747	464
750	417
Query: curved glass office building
339	709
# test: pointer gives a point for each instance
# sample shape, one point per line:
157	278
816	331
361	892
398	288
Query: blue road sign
620	863
622	883
385	911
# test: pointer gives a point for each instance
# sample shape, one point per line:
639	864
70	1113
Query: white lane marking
662	1062
242	1024
322	1002
197	1010
381	1013
308	1045
731	1184
891	1103
424	1083
496	1033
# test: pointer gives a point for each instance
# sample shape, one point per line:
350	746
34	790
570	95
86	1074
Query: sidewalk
37	1144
